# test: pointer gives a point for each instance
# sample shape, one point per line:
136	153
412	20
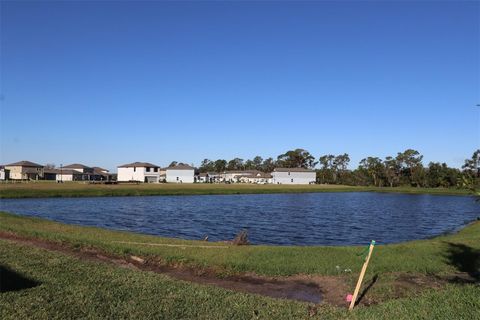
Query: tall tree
411	162
340	165
257	163
326	162
392	170
473	165
249	165
236	164
374	168
298	158
207	166
268	165
220	165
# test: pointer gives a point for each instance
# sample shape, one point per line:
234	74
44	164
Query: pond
351	218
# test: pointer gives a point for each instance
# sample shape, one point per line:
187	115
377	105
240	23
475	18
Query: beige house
25	170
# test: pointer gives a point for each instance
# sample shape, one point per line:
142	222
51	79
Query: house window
292	180
288	172
155	169
134	169
148	169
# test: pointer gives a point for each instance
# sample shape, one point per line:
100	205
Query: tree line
405	169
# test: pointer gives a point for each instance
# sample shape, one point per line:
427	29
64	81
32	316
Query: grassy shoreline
429	256
74	189
69	287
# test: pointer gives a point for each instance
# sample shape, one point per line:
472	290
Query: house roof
62	171
292	170
25	163
139	164
181	167
99	169
76	166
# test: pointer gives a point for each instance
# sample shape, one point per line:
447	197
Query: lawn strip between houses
81	189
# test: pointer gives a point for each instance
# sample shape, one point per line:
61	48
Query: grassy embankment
71	288
75	189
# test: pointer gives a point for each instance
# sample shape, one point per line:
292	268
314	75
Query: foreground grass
76	189
70	288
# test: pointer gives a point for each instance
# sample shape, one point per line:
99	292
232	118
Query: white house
138	171
3	175
25	170
235	175
293	176
209	177
256	177
181	173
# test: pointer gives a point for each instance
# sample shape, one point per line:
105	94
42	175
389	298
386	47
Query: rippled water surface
280	219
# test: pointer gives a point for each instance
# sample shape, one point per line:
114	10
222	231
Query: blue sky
106	83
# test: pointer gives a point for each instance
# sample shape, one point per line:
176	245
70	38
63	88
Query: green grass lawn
71	288
77	189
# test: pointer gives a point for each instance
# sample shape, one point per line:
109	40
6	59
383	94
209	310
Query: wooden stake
362	274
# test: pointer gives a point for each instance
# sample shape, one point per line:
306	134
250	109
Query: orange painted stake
362	274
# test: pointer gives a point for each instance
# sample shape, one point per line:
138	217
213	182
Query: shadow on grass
366	289
13	281
465	259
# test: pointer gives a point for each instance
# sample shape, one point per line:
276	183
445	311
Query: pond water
351	218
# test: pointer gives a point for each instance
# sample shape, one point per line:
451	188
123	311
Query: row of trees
406	168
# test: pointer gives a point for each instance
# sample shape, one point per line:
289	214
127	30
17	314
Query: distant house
209	177
50	174
293	176
87	173
181	173
102	174
256	177
246	176
25	170
100	170
138	171
3	173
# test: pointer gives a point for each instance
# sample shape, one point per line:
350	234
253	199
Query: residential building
3	173
181	173
138	171
25	170
102	174
233	176
256	177
293	176
209	177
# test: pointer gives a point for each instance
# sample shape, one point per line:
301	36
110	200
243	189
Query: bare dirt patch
312	289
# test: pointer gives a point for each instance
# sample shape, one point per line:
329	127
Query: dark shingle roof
76	166
25	163
181	167
62	171
139	164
